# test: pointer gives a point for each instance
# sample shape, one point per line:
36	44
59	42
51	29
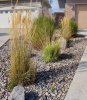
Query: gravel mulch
53	79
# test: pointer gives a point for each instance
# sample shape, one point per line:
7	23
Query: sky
54	5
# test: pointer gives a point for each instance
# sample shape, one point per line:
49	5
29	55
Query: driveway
5	18
82	32
6	14
4	35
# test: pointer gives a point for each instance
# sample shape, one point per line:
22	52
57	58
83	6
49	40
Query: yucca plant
42	31
22	69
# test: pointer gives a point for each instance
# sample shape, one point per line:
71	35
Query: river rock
17	93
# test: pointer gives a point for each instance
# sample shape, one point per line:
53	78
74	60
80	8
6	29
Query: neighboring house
77	10
60	10
43	5
61	4
37	7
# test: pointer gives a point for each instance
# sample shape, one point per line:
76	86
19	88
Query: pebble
60	73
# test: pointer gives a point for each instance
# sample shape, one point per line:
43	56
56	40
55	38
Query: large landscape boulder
18	93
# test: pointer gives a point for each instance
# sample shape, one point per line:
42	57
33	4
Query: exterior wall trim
75	3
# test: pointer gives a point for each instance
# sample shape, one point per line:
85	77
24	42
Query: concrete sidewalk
82	32
4	35
78	87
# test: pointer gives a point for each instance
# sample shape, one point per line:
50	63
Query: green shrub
42	31
22	70
51	52
74	27
66	31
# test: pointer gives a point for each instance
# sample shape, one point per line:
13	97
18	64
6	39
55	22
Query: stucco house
37	7
42	5
60	9
74	9
77	10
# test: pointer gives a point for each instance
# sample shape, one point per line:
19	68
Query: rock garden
41	57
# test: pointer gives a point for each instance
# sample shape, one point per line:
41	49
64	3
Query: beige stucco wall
70	11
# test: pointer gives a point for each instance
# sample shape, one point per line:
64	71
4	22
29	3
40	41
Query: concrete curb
78	87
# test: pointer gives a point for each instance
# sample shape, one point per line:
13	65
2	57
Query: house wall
61	3
76	1
46	11
70	7
70	10
6	15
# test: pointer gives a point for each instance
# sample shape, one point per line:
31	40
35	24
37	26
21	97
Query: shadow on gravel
65	56
79	36
33	55
31	96
52	73
3	34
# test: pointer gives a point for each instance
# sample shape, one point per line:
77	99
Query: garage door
4	20
81	16
6	14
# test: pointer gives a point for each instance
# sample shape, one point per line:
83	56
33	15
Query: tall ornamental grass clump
22	69
66	31
74	27
51	52
42	31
